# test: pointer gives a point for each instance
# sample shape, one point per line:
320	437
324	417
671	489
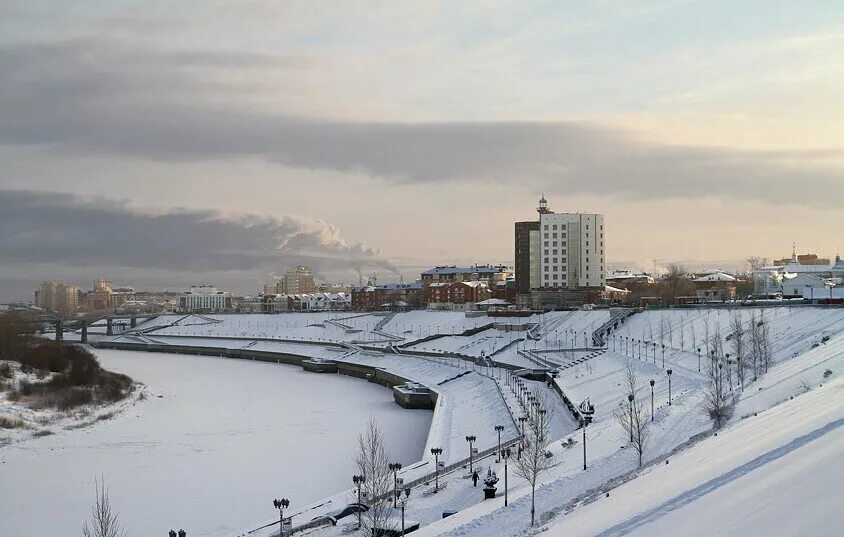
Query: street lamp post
698	359
630	400
663	355
470	438
280	505
505	454
669	386
585	423
498	429
522	420
729	371
652	398
395	467
358	480
403	504
436	452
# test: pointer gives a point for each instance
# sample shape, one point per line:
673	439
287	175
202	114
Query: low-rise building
623	278
306	302
775	279
461	295
389	296
205	298
715	287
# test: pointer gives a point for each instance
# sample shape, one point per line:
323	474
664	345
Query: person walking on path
475	478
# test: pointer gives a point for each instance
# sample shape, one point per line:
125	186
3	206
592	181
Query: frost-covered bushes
6	371
7	422
70	377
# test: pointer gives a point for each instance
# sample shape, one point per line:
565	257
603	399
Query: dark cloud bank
56	236
92	97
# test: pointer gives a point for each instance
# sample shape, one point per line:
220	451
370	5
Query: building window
554	227
555	270
546	251
546	260
545	227
555	252
554	235
546	235
555	244
546	243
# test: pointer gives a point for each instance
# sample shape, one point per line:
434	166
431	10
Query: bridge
84	321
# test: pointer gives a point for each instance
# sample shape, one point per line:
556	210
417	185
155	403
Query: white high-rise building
571	250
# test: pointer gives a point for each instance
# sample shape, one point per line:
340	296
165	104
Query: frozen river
209	455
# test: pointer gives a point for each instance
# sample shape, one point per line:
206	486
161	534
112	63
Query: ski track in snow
691	495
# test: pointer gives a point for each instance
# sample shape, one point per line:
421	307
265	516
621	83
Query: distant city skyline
158	146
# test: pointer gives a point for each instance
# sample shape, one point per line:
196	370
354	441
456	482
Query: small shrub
25	387
42	432
74	397
7	422
827	373
6	371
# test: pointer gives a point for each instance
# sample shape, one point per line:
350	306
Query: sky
161	144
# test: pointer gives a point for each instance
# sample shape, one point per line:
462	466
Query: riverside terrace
466	398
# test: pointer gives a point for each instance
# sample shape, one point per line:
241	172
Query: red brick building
456	295
390	296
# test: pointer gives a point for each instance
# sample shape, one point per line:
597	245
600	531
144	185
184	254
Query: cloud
90	97
62	230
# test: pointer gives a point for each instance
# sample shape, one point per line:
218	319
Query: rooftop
453	269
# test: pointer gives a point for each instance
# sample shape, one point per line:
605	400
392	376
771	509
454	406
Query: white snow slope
776	473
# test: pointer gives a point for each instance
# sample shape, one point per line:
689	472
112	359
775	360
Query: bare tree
373	462
675	278
632	414
670	331
706	333
682	333
692	336
103	522
716	401
536	459
754	263
755	345
765	341
738	345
